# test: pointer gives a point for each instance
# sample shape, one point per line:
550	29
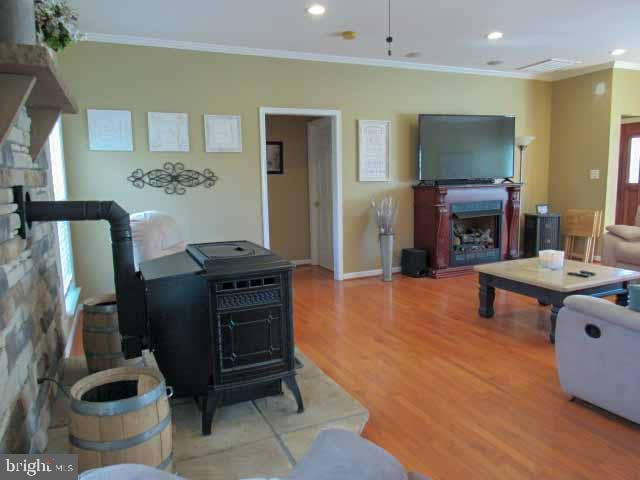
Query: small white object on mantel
168	132
223	133
374	147
110	130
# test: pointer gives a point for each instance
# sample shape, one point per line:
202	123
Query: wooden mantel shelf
34	61
29	77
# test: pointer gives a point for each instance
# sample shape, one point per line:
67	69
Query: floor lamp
522	143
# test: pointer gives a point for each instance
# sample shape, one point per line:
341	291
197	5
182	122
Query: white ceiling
446	32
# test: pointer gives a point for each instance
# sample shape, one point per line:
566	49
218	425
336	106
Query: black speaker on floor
414	262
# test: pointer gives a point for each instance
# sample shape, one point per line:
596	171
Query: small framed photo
275	162
542	209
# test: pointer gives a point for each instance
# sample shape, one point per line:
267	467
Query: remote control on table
587	272
578	274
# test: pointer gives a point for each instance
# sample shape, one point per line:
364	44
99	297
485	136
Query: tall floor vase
386	253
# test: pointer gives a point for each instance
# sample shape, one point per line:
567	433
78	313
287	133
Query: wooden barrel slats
101	334
132	430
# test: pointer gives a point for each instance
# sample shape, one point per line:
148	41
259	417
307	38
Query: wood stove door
252	341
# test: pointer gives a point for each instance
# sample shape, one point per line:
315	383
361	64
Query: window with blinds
56	156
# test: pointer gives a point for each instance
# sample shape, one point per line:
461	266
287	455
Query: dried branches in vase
386	211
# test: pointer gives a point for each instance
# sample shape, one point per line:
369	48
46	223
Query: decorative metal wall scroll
173	178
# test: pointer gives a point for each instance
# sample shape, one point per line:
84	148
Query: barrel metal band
104	355
101	309
118	407
97	329
95	446
166	462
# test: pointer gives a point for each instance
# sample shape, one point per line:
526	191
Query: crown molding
626	65
291	55
577	72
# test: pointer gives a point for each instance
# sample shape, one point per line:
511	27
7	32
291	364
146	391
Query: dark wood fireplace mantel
433	220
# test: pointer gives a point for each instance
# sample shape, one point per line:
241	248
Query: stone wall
33	324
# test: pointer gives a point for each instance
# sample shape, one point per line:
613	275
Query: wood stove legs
292	383
209	404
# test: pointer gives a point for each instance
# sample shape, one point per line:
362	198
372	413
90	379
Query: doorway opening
628	197
301	180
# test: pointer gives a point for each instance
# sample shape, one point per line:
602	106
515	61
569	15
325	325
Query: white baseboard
301	262
368	273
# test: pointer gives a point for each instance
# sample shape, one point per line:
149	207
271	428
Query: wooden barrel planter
101	334
121	415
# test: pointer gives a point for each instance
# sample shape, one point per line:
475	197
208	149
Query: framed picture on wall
275	161
168	132
223	133
373	149
110	130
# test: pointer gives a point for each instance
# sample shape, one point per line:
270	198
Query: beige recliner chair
621	247
155	234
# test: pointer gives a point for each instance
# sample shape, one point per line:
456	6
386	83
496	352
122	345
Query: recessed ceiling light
495	35
316	9
618	51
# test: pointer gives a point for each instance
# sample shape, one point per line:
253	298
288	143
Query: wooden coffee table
550	287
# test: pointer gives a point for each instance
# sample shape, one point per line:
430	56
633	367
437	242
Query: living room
165	112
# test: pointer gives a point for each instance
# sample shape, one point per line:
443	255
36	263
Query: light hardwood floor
451	394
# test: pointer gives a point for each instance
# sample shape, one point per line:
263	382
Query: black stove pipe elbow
129	287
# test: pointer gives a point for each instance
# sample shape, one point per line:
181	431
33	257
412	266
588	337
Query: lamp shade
524	140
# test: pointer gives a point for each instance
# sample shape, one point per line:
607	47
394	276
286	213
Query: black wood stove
218	316
220	322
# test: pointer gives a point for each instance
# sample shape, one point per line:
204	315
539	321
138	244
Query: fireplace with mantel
464	225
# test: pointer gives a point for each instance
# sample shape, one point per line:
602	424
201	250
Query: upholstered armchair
621	247
597	354
155	234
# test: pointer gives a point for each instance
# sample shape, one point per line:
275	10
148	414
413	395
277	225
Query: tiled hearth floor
251	439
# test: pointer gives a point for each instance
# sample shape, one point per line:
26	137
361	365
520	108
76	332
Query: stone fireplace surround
33	324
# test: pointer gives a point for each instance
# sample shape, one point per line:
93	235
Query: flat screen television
465	148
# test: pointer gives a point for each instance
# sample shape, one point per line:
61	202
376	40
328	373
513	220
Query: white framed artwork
110	130
373	149
168	132
223	133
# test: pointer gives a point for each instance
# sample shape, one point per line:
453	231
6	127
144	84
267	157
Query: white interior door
319	145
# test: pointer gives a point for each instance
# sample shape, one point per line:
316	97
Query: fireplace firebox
475	232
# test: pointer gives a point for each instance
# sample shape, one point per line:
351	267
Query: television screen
465	147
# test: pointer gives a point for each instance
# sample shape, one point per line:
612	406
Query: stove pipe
129	287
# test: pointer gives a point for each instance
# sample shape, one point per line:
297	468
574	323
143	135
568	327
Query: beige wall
289	192
580	125
144	79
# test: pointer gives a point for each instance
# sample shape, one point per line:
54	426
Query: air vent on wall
548	65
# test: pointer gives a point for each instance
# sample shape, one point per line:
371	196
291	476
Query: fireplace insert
475	232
